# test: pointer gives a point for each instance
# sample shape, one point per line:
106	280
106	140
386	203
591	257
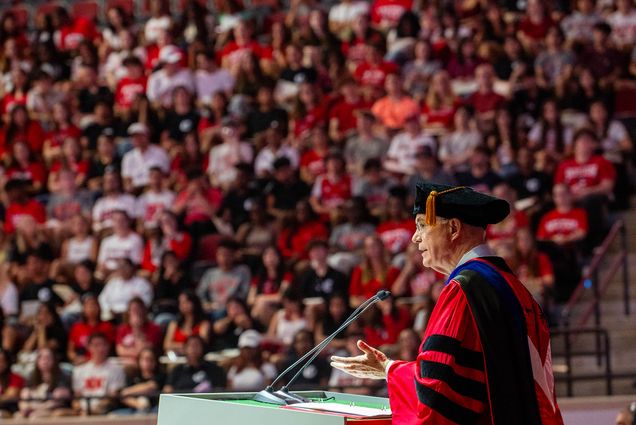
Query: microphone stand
283	396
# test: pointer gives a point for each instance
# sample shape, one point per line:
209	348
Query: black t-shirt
158	378
481	184
88	98
235	201
178	125
206	376
286	195
300	75
312	285
312	376
94	130
258	121
41	291
98	168
536	183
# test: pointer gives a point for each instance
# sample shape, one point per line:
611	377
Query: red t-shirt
128	89
267	286
181	336
389	10
56	137
14	381
180	245
296	244
10	100
443	116
314	162
32	135
390	331
366	289
151	332
486	102
312	119
71	35
374	75
34	172
233	52
346	113
396	235
507	229
333	193
535	31
15	212
80	167
558	223
80	332
587	174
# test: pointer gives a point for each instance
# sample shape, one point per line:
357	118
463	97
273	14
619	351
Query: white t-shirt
118	292
347	12
404	147
91	380
623	27
136	164
210	83
616	132
224	157
458	143
9	300
161	85
154	27
151	204
78	251
251	378
104	207
116	247
265	159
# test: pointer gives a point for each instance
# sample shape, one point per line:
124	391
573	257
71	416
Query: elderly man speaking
485	358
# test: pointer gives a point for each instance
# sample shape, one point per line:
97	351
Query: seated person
249	371
196	375
191	320
90	322
373	273
136	333
289	319
47	332
227	329
317	373
122	287
48	391
100	378
141	393
565	224
224	281
124	243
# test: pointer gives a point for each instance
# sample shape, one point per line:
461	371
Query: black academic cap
464	203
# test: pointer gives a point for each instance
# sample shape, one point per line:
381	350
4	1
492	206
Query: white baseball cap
170	54
250	338
138	128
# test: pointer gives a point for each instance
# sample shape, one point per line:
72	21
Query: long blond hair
366	267
436	101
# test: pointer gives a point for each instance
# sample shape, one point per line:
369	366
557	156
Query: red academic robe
485	357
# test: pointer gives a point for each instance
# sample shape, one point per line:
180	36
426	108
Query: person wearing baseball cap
162	83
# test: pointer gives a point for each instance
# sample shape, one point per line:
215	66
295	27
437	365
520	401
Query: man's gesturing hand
370	365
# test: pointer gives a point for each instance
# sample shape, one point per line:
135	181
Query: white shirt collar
482	250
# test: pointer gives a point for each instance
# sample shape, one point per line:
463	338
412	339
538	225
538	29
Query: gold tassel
430	215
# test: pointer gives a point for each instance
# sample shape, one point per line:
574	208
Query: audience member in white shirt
225	156
136	164
404	146
275	148
123	243
112	200
209	79
162	83
123	286
154	200
343	14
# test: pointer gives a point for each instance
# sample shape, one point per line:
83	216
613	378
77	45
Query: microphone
283	396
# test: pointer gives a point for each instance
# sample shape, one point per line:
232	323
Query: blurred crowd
193	197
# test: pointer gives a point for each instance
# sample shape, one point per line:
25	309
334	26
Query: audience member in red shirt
234	51
20	206
387	13
312	162
132	85
505	230
136	333
23	167
440	103
331	189
90	323
398	227
190	321
171	240
534	25
295	237
565	224
342	116
586	174
63	128
373	71
373	273
72	159
485	100
21	128
386	323
309	112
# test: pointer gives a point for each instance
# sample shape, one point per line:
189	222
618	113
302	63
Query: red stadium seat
127	6
88	9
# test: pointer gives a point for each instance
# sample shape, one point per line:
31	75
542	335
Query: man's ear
454	227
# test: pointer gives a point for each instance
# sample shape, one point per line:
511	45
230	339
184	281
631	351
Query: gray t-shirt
218	286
